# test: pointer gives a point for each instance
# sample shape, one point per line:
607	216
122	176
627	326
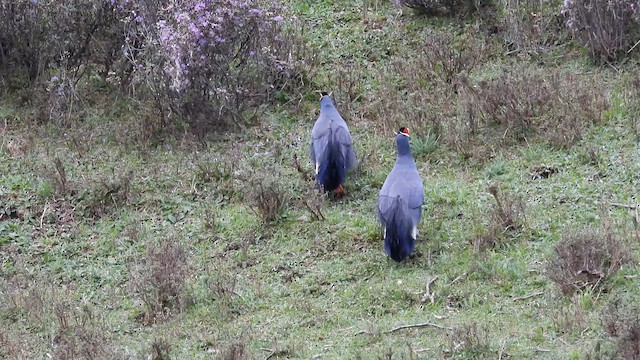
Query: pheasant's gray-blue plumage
400	202
331	150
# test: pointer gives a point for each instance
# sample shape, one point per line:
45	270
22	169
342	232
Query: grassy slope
307	287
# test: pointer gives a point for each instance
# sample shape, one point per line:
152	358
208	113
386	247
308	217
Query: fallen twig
528	296
44	211
625	205
426	324
457	279
428	294
274	352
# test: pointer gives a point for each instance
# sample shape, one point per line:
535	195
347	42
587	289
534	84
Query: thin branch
633	47
457	279
271	351
44	211
528	296
427	293
633	207
426	324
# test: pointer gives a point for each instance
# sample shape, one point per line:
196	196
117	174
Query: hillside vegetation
156	197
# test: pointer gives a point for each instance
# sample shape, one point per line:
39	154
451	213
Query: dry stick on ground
426	324
528	296
457	279
630	207
274	352
428	294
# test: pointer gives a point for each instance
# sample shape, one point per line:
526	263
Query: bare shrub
80	334
447	55
234	351
160	350
621	320
508	212
631	100
105	195
41	36
571	318
8	349
445	7
607	28
586	259
73	330
218	174
532	25
269	201
470	340
506	219
160	279
519	103
59	177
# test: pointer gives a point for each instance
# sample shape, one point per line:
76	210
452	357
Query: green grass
299	287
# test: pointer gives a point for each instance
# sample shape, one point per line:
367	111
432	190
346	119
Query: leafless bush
448	7
507	217
585	259
235	351
532	25
447	55
8	349
607	28
160	279
509	210
73	330
470	340
572	318
269	201
631	98
621	320
80	334
218	174
160	350
421	89
59	177
517	105
106	194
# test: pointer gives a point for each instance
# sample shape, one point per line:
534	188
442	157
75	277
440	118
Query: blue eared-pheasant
331	149
400	202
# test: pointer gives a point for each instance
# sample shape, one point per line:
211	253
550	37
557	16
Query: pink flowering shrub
606	28
222	57
208	61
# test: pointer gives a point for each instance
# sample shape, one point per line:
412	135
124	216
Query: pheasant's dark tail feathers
332	170
398	242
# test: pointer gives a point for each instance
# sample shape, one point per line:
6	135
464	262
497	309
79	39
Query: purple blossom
278	18
199	6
